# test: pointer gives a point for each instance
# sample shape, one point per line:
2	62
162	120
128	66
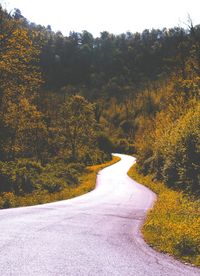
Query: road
94	234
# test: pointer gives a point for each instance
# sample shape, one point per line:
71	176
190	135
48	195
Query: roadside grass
173	224
87	182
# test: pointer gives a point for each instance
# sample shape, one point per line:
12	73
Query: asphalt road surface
94	234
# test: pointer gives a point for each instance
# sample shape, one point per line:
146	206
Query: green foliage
104	143
18	176
50	183
92	157
187	247
53	188
69	173
24	176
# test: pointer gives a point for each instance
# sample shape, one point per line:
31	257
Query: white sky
115	16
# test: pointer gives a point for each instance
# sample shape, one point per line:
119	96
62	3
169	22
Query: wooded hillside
75	99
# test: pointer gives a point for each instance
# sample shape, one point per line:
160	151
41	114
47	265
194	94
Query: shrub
122	146
187	247
127	126
51	184
18	176
170	148
67	173
104	143
93	157
7	200
182	153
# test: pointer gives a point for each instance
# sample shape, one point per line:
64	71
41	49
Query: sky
114	16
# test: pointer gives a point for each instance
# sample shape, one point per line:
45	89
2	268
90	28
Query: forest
67	102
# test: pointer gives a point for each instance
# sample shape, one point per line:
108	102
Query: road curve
94	234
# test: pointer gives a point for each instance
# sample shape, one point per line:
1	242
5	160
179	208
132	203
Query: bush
7	200
187	247
18	176
170	149
127	127
67	172
93	157
121	146
24	176
182	154
104	143
51	184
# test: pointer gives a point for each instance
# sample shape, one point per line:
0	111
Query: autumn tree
20	121
77	125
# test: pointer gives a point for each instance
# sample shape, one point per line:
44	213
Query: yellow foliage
172	226
19	82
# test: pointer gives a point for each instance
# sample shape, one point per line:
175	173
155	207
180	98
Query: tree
77	125
19	83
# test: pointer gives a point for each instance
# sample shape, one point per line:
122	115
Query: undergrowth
86	182
173	224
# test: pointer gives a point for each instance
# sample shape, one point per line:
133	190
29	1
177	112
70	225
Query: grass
173	224
87	182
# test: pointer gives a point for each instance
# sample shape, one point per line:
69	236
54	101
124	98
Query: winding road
94	234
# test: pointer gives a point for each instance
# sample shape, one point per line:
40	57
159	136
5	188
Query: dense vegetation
67	100
46	139
146	92
57	182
